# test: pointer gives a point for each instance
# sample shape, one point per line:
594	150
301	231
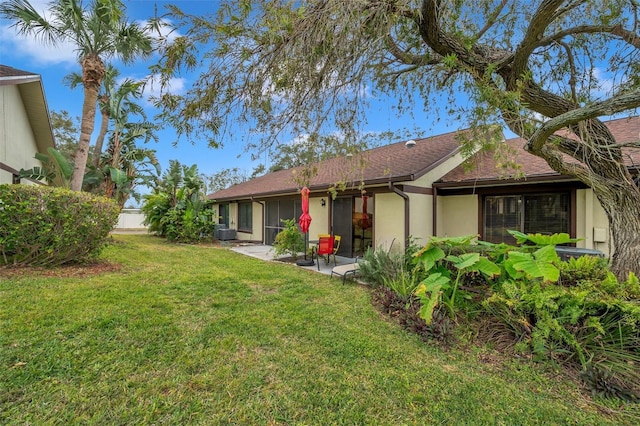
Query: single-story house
25	126
416	189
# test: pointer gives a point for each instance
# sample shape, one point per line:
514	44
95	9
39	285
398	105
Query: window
528	213
223	214
245	217
276	211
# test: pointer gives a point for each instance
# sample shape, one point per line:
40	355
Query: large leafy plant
445	272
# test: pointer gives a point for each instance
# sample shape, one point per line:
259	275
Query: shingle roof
390	163
484	165
9	74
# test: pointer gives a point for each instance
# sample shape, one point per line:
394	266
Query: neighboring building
419	190
25	126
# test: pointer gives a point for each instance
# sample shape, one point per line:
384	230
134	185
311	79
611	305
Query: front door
353	221
343	224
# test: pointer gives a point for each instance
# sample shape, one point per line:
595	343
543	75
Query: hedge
42	225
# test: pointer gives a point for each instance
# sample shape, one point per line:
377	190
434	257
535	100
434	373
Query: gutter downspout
263	218
434	215
393	188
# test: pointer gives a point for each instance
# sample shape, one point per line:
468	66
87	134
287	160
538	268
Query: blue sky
54	63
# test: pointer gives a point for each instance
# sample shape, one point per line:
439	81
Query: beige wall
389	221
457	215
17	142
421	205
592	225
421	217
256	229
319	217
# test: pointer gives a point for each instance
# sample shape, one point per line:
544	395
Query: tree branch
609	107
572	65
405	57
492	19
534	34
617	30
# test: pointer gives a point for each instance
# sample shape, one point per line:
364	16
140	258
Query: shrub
404	284
573	312
42	225
380	266
407	313
595	326
290	240
584	268
186	224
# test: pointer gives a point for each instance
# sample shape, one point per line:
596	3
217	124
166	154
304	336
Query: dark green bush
574	313
41	225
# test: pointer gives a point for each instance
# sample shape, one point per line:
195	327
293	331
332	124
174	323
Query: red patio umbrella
305	218
305	222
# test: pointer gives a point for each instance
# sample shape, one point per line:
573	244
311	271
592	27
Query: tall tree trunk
104	126
93	71
621	203
604	171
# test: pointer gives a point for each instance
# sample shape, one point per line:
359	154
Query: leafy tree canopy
534	66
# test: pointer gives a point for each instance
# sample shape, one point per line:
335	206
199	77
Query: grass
183	334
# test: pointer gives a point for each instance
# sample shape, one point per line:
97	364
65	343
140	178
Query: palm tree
113	100
99	31
127	165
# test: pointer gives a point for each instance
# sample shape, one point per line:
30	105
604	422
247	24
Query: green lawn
201	335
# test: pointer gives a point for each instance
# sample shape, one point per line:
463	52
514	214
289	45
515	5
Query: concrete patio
266	253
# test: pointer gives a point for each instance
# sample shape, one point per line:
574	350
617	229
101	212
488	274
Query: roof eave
504	182
439	162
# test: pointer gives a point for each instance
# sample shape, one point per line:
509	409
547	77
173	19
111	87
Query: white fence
131	219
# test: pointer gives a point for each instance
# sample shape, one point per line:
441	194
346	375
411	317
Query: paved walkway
266	253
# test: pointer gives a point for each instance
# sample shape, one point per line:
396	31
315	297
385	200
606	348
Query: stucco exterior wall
457	215
389	221
319	217
421	217
437	172
17	142
421	205
256	222
592	225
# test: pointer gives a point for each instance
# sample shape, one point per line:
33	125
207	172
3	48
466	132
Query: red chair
325	247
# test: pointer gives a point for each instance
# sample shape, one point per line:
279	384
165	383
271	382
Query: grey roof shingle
390	163
485	168
10	75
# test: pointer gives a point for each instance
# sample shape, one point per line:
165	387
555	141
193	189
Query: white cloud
36	49
605	84
164	33
153	87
